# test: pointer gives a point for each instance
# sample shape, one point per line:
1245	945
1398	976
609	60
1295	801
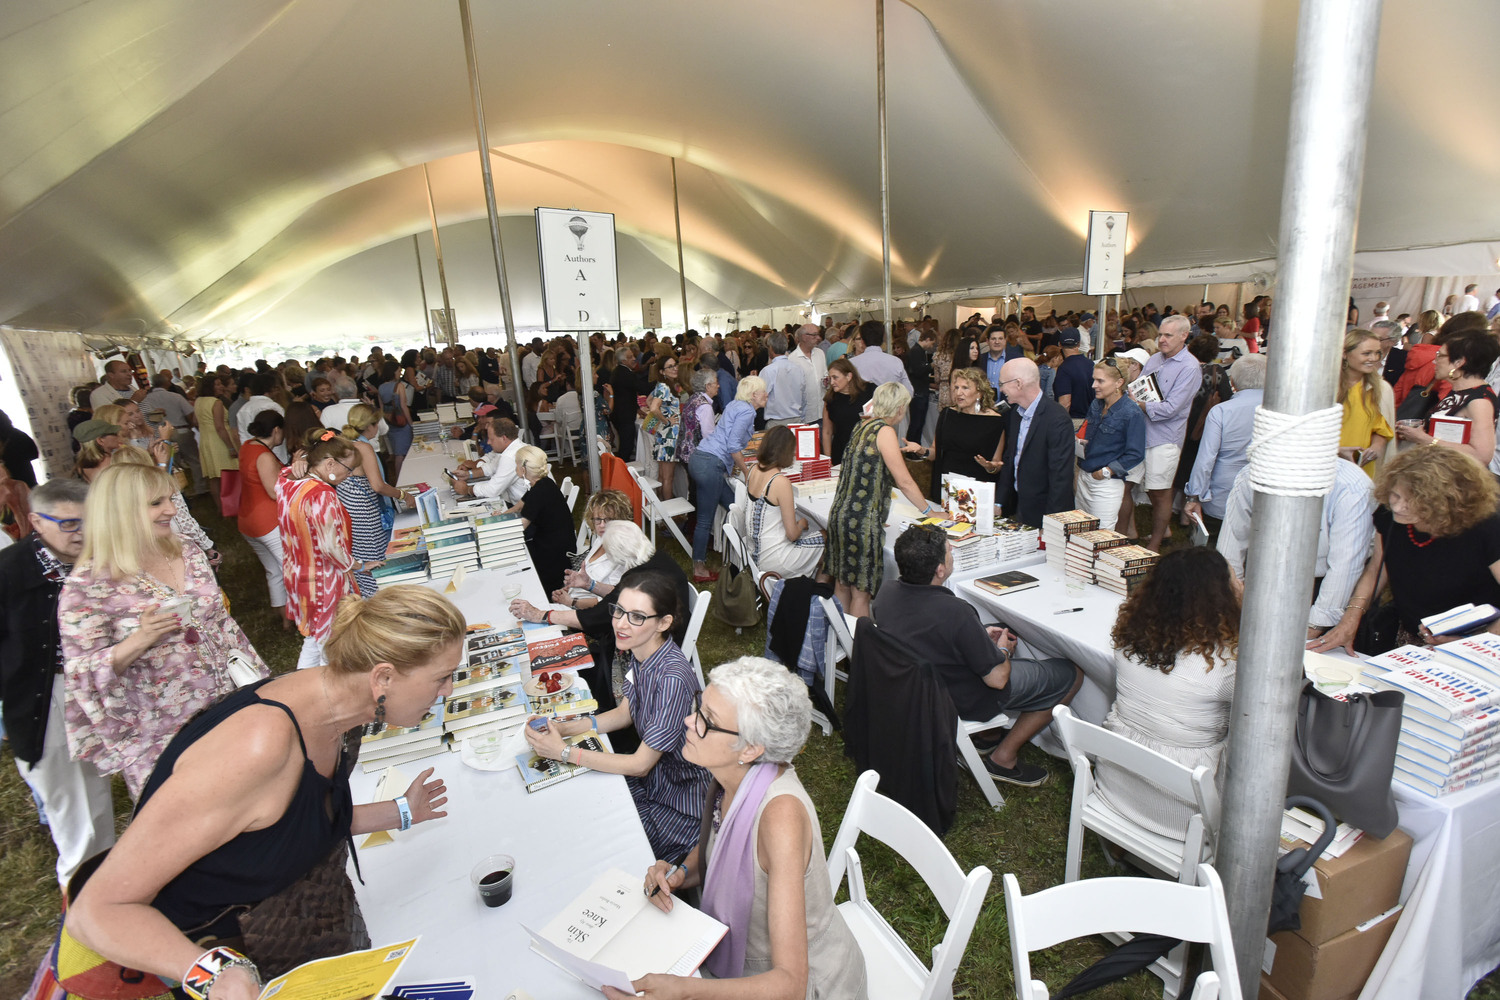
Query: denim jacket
1116	439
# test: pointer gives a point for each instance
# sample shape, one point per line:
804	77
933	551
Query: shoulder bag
734	601
1344	755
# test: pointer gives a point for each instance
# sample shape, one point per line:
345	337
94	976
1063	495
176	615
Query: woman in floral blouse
317	555
138	663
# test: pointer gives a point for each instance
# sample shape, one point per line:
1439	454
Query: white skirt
1099	497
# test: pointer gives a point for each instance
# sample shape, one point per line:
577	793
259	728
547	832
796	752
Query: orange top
257	507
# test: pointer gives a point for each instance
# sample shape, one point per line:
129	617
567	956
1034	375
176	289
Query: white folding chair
545	434
570	492
893	970
974	762
1110	906
568	419
1177	858
699	611
654	509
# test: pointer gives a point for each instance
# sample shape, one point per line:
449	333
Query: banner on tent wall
1104	261
47	365
580	282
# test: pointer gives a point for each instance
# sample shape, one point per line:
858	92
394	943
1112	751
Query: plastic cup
1330	678
182	607
510	591
494	877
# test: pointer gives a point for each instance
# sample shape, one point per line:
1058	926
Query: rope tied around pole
1295	455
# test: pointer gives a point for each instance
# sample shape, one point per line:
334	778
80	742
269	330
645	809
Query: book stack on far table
1450	722
450	544
1083	547
1056	529
501	539
811	469
408	568
427	427
1121	569
393	746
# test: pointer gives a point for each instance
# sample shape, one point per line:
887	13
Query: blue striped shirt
669	797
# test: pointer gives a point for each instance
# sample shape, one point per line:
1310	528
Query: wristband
200	977
594	723
547	617
591	586
404	809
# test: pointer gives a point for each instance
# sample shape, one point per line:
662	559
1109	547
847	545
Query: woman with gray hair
698	412
765	855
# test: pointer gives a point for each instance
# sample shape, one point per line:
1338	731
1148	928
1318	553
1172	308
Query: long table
1448	934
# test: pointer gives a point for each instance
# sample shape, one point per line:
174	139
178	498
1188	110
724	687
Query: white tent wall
41	367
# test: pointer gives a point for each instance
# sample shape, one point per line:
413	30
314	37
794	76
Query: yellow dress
1361	424
212	450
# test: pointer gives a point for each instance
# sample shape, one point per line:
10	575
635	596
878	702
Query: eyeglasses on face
633	617
702	726
70	525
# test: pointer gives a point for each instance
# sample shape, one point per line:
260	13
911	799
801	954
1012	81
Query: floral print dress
664	441
122	722
315	579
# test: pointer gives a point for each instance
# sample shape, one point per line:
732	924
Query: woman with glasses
145	635
316	537
659	692
370	501
664	417
761	864
1114	439
1464	361
597	573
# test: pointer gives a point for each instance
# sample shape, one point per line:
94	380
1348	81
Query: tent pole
885	172
590	423
681	274
1331	83
437	244
1099	329
482	136
416	248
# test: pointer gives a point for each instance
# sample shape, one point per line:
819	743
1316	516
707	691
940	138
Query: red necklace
1412	534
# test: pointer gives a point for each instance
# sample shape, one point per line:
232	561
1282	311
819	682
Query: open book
612	934
353	976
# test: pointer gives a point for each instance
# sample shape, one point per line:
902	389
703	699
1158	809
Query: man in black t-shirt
974	662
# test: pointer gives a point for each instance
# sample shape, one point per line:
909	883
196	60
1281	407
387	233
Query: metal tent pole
416	248
681	274
482	135
885	172
1335	62
590	422
437	244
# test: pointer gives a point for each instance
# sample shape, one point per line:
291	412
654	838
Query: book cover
1439	690
1007	583
1478	654
405	757
431	725
1399	659
1127	556
486	674
1145	389
571	652
462	710
539	772
970	501
351	976
1098	540
1454	430
1466	730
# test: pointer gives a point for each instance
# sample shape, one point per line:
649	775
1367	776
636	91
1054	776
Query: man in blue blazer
1036	470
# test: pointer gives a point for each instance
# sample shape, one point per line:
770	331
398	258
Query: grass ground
1028	837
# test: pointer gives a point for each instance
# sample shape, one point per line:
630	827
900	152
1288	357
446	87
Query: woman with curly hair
966	439
1176	640
1437	543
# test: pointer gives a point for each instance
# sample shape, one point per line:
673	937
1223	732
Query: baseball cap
93	430
1136	354
485	409
1069	339
1086	317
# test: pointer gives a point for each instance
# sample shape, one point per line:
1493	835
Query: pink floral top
123	722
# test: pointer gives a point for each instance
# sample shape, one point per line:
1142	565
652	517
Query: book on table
486	707
1397	659
1477	654
1440	691
1128	556
611	934
1465	620
486	674
388	738
538	772
1012	582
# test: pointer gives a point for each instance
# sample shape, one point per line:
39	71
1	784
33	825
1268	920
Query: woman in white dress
1176	640
780	541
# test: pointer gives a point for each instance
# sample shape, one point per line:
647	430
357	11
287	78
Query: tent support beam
681	274
1331	83
416	248
885	173
590	421
482	136
437	244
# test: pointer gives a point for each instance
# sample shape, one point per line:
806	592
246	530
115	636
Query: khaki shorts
1161	466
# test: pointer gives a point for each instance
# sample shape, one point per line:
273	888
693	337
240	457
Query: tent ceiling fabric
254	169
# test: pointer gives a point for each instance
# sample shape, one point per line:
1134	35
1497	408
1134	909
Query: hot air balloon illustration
577	225
1109	224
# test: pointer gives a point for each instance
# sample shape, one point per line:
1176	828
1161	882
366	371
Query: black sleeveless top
207	899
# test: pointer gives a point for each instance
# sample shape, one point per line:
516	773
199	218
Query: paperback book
539	772
570	652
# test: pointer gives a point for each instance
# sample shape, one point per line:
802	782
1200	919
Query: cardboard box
1334	970
1269	992
1363	883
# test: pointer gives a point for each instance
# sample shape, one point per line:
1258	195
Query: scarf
729	885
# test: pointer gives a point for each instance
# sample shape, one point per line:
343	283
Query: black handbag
1419	403
1344	755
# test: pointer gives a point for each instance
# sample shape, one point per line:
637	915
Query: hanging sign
1104	261
580	282
651	314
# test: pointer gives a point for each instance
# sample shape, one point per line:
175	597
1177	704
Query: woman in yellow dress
218	444
1369	405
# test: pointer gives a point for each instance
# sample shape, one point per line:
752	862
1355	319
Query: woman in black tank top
253	793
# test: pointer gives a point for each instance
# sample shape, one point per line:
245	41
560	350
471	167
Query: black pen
1067	611
675	865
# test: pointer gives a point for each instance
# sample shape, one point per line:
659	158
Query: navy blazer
28	647
1040	482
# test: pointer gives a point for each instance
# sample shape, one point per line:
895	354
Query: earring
379	723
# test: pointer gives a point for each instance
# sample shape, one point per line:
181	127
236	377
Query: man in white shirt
260	385
814	367
505	483
873	364
531	362
1470	301
118	384
784	384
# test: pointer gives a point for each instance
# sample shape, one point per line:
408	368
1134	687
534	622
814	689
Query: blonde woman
269	764
1369	408
968	432
544	512
145	636
370	501
184	523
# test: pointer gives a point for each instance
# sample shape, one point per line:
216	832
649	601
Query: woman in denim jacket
1114	442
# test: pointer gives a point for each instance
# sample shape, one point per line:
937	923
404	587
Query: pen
675	865
1067	611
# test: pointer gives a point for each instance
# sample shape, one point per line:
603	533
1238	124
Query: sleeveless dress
762	526
370	534
856	523
213	453
398	438
958	437
664	441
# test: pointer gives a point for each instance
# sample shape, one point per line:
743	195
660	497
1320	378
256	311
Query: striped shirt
669	797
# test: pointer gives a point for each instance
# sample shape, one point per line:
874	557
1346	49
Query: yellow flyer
354	976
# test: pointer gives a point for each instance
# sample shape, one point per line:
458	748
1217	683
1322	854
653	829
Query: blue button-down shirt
730	434
992	366
1179	377
877	367
783	389
1116	439
1223	450
1027	412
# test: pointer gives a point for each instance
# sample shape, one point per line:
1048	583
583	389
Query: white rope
1295	455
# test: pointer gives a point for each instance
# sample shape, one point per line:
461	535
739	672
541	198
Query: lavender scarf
729	884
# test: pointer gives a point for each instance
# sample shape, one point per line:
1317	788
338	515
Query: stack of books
450	544
1014	539
404	541
810	469
1450	723
975	552
806	488
426	427
501	540
1083	547
408	568
1055	531
393	746
1121	569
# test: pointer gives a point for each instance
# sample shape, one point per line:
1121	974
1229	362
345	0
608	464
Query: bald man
1036	468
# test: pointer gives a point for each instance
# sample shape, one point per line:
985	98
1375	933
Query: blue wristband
405	811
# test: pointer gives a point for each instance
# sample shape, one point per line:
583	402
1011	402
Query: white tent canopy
253	170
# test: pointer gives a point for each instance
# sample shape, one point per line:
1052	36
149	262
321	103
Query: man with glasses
1036	470
1392	357
1179	377
814	367
75	797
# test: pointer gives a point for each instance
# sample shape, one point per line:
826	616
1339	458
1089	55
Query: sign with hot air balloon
580	280
1104	261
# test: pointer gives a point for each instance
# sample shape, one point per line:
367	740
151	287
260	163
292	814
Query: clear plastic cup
494	878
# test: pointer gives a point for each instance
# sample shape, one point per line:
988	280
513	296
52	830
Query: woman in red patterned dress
316	538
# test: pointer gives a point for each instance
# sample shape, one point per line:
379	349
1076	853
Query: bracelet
404	809
590	587
547	617
566	750
594	723
206	969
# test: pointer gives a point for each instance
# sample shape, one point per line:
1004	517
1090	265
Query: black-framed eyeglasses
351	469
634	617
70	525
1006	382
702	726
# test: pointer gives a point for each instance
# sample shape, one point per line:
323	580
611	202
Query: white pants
267	549
1100	497
75	796
312	654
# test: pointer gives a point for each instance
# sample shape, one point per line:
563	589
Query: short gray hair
701	378
52	494
771	706
1175	323
626	544
1249	372
777	342
890	399
1382	324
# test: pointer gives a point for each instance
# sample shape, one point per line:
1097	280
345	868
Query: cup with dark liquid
494	877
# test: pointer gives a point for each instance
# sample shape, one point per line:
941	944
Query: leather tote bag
734	599
1345	754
